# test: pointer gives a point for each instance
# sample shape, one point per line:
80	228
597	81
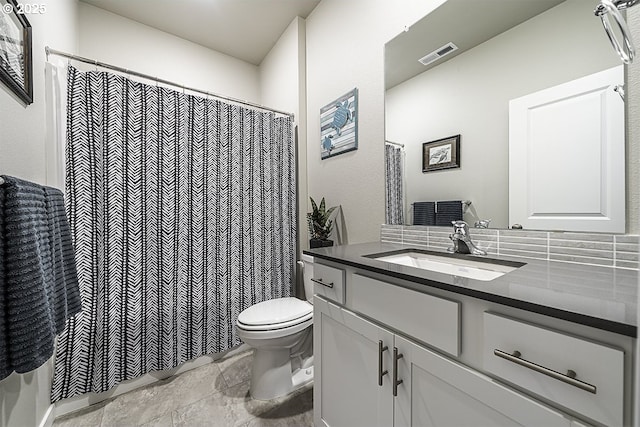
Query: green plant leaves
319	221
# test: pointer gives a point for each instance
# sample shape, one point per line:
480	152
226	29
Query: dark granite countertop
601	297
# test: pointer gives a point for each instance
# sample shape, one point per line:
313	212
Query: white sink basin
472	269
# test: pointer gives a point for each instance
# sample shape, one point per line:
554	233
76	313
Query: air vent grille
438	53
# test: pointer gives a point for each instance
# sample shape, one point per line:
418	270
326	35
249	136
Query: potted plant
319	224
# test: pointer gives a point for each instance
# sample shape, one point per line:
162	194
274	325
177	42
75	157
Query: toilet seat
274	314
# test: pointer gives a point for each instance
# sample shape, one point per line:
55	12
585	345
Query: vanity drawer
328	282
432	320
547	363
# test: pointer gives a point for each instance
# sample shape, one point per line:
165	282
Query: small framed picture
16	68
441	154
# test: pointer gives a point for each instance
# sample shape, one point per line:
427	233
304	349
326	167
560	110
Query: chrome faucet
461	239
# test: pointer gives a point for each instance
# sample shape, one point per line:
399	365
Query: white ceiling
465	23
244	29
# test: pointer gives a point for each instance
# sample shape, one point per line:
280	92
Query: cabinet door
346	364
436	391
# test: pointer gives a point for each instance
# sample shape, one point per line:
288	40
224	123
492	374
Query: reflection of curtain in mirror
394	214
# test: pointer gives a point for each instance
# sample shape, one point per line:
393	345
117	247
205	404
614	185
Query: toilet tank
307	274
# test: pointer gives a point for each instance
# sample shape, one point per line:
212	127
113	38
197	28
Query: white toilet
281	334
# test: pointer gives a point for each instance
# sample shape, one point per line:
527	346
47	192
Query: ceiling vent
438	53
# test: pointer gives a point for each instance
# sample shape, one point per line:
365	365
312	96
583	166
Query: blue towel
424	213
5	368
67	293
40	281
448	211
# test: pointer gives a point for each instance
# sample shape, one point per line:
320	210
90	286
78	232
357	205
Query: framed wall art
339	125
16	67
441	154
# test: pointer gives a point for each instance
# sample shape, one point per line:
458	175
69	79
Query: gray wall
24	399
345	49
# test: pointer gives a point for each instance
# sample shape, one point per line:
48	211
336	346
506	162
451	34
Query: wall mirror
503	49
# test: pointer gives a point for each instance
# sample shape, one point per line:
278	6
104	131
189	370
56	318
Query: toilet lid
274	311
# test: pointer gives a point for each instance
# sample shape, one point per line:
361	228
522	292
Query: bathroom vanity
544	343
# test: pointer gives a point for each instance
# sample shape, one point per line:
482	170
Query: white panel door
439	392
346	362
566	156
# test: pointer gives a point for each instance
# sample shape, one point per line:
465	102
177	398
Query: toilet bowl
281	333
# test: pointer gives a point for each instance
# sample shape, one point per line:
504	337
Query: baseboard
47	419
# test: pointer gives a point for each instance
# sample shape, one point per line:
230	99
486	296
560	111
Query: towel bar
465	203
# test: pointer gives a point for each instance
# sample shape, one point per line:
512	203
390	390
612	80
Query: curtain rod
50	51
395	143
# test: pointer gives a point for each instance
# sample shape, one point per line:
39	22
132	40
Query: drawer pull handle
396	381
381	349
569	378
320	282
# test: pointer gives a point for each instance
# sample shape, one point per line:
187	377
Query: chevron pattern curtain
394	213
183	214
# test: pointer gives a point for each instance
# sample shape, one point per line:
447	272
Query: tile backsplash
610	250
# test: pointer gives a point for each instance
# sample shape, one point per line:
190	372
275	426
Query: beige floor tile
146	404
136	407
88	417
301	420
216	394
193	385
236	369
231	407
163	421
291	411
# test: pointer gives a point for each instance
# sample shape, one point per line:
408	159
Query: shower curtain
394	214
183	214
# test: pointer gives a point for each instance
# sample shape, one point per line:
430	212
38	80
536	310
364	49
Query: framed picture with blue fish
339	125
441	154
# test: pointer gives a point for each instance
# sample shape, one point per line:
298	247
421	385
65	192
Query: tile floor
216	394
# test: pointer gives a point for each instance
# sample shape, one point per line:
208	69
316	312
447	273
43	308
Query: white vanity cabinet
358	361
347	362
437	391
579	374
387	355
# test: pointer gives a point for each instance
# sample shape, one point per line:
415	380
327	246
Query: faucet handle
460	227
483	223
